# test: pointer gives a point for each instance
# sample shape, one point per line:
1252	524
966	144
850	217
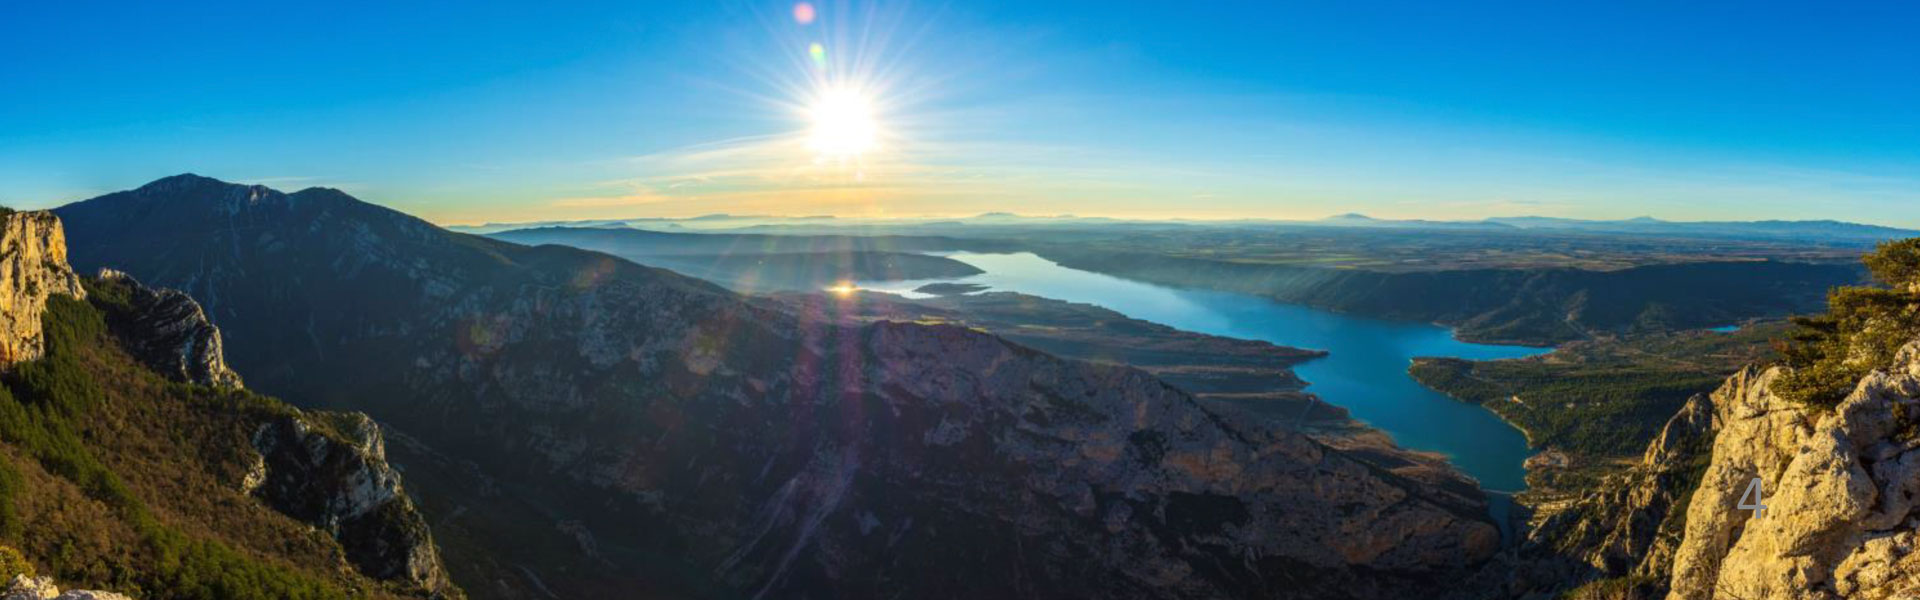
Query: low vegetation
113	477
1618	588
13	564
1861	332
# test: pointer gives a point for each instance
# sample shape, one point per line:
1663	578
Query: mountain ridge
768	454
1804	230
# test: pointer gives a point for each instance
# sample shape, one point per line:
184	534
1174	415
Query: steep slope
1841	486
586	427
142	471
1799	479
1622	535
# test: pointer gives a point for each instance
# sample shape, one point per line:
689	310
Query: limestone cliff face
167	330
1841	489
33	265
340	481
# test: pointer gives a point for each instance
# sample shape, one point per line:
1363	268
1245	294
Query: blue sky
476	111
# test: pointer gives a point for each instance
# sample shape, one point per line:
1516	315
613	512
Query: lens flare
819	55
803	13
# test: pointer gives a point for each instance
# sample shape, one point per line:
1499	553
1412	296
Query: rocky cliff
33	266
113	472
339	480
167	330
583	426
1840	490
1841	487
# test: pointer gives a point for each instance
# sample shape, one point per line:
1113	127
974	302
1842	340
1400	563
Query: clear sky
473	111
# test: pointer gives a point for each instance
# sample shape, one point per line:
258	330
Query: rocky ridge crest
168	331
340	481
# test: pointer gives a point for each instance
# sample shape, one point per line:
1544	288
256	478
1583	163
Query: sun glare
843	124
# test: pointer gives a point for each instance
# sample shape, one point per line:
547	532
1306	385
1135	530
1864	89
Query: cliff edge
33	266
132	458
1839	486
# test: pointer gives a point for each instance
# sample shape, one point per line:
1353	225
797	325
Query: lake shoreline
1364	372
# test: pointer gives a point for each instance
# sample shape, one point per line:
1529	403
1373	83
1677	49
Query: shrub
1862	331
12	564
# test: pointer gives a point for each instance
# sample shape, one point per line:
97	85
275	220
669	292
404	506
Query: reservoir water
1364	372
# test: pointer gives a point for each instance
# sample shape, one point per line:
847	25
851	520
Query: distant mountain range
1799	230
1810	231
1796	230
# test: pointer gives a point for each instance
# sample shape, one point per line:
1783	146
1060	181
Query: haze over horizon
494	113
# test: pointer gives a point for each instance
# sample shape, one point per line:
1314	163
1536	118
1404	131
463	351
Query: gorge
637	432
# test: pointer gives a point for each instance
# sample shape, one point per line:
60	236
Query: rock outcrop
167	330
33	265
42	588
1840	490
338	479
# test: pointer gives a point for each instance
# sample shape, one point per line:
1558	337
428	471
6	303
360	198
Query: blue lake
1365	372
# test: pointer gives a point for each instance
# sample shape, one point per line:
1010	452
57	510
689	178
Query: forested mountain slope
132	459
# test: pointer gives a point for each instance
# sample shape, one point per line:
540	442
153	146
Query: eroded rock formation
33	266
167	330
1841	488
331	471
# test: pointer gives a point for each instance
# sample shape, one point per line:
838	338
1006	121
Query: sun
843	124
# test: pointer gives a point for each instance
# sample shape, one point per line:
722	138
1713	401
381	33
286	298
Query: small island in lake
950	289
